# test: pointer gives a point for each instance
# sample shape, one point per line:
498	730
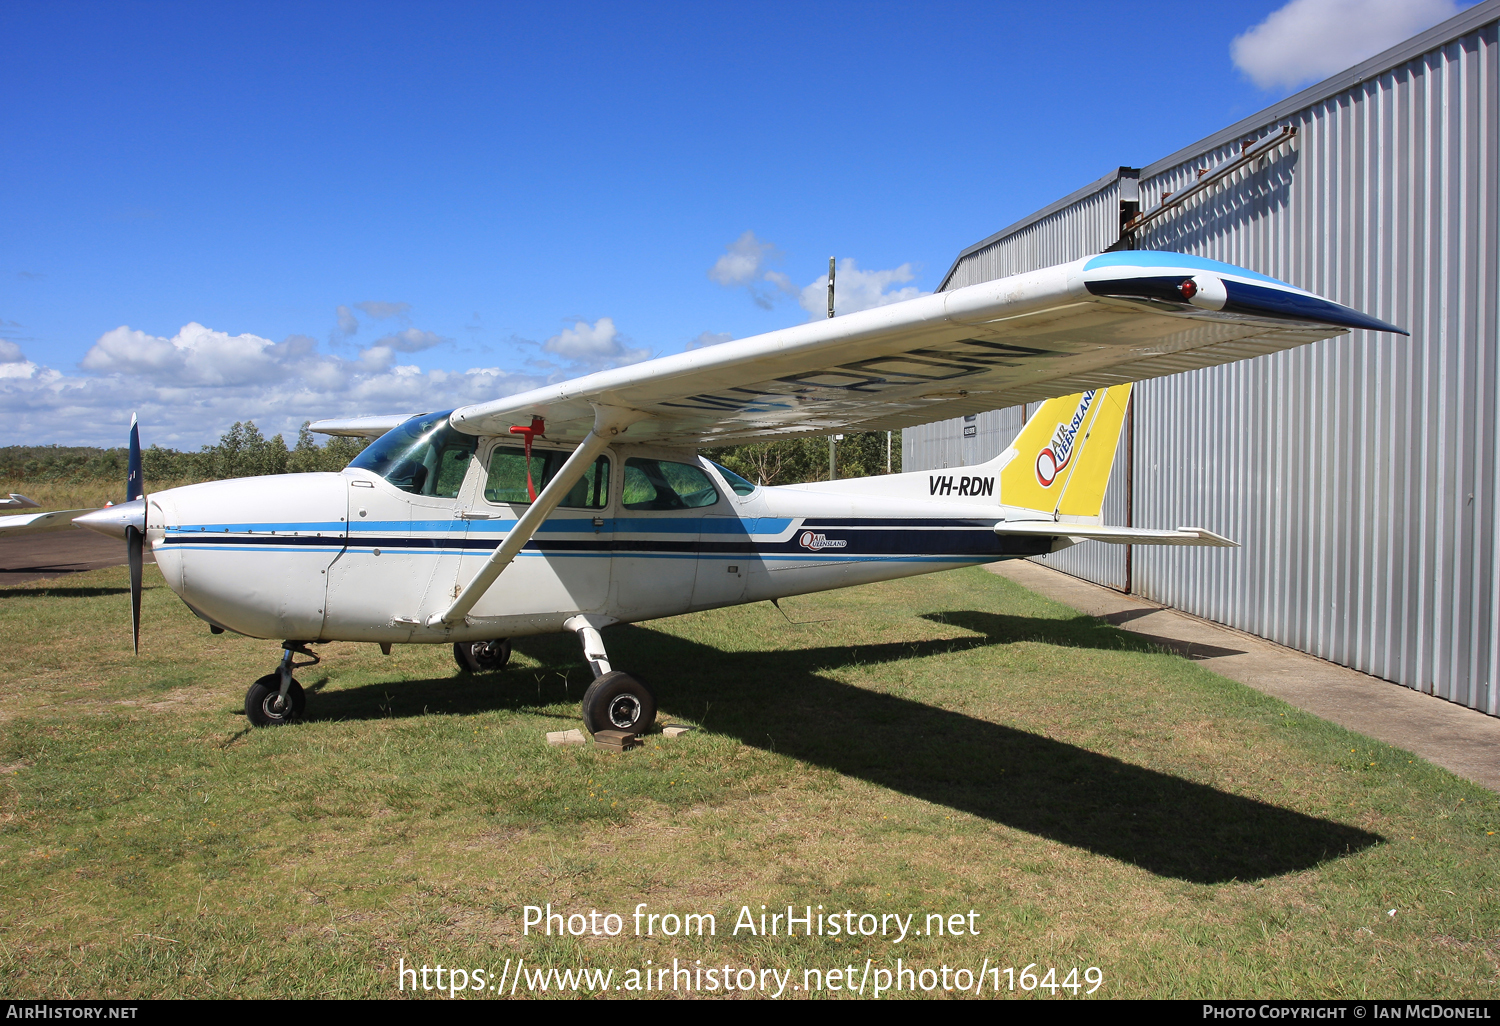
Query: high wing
1100	321
362	427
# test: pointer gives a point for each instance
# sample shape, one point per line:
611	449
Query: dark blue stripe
980	541
1268	302
1244	298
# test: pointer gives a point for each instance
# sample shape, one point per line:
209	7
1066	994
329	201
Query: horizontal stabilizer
1117	535
28	522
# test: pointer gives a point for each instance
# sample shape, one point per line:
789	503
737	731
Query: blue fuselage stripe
824	540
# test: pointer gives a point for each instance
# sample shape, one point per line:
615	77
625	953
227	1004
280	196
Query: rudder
1060	462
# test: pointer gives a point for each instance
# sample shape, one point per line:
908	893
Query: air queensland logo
1059	452
818	542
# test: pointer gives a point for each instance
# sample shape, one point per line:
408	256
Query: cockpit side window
424	456
507	478
659	484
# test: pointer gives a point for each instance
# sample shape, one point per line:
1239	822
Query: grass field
941	745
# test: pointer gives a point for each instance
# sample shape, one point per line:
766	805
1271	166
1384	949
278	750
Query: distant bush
242	451
798	460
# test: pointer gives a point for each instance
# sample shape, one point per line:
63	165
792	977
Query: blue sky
523	192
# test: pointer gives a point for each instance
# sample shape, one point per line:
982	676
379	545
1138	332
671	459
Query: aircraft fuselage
354	557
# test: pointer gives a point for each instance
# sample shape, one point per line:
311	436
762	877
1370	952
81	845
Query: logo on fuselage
812	541
1059	452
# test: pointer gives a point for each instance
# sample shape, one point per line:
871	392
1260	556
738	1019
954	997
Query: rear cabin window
658	484
507	478
423	456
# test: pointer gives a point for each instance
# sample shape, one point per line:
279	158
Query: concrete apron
1459	739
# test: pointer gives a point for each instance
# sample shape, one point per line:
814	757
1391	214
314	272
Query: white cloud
348	324
10	352
710	338
411	340
743	265
856	290
382	311
594	346
189	388
195	355
1309	40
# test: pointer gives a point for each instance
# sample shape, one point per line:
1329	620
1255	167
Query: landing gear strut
615	700
277	698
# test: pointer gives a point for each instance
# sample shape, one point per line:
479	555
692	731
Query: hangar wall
1359	474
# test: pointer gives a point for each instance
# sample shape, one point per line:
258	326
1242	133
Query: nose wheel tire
482	656
265	707
617	701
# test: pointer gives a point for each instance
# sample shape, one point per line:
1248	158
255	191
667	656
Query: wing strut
608	423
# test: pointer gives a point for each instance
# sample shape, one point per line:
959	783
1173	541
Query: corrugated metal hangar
1359	474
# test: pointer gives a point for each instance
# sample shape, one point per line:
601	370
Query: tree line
796	460
243	451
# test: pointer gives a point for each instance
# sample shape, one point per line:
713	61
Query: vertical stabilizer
1059	464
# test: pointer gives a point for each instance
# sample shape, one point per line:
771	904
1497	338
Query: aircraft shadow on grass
61	591
1187	649
783	701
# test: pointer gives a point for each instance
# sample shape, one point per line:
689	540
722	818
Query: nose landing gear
277	698
482	656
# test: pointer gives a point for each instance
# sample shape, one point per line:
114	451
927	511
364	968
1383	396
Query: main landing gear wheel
482	656
266	708
617	701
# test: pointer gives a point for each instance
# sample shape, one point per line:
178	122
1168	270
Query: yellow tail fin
1060	462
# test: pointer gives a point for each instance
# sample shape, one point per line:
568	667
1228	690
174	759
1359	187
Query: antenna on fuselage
830	286
799	623
833	472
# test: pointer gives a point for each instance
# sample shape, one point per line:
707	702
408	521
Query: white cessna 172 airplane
583	504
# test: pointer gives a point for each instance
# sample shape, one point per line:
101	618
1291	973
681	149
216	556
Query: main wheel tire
261	702
482	656
617	701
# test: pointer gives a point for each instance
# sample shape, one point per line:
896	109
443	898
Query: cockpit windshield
424	456
739	484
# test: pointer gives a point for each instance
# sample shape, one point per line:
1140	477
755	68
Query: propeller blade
134	541
135	488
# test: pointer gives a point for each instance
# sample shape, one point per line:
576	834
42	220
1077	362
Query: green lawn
941	745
